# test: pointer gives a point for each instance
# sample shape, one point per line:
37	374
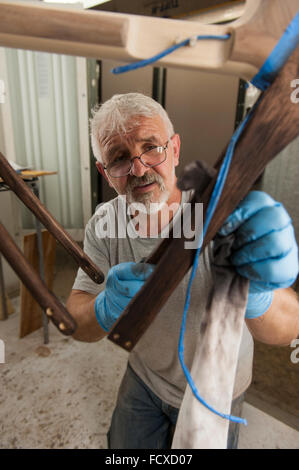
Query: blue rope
278	57
263	79
209	214
151	60
266	75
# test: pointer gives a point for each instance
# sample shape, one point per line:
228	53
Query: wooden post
30	311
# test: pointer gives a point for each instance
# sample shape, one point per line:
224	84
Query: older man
137	151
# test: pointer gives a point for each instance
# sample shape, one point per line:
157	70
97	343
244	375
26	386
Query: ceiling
173	8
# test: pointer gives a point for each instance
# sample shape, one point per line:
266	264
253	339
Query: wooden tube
19	187
70	27
46	299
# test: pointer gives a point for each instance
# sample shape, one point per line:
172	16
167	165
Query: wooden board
35	173
28	174
31	312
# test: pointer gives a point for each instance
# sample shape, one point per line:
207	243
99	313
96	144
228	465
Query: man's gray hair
113	117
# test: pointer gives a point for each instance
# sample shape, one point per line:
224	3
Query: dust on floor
59	395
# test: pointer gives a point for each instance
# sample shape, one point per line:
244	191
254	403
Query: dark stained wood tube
273	126
20	188
46	299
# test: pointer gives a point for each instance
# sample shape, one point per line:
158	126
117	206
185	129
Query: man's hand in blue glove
123	281
264	251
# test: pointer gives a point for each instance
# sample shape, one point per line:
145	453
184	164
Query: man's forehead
140	129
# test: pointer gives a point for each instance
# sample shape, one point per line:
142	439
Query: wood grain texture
40	22
273	126
46	299
259	29
19	187
29	174
30	310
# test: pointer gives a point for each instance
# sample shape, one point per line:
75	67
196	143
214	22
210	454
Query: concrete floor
58	395
61	395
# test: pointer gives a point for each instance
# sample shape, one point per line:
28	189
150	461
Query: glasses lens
154	156
119	167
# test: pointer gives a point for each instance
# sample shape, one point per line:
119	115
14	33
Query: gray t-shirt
155	356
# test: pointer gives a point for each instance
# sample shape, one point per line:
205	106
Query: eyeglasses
122	166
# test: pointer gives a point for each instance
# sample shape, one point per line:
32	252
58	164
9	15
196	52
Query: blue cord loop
151	60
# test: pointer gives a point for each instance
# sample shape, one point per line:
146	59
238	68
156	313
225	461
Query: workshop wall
281	178
6	209
9	218
45	126
202	107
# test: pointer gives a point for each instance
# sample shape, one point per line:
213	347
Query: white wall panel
45	122
9	203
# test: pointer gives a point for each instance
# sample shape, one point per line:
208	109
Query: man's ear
176	143
103	173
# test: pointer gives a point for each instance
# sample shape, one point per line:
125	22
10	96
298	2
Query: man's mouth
144	187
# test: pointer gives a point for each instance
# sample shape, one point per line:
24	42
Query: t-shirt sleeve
97	251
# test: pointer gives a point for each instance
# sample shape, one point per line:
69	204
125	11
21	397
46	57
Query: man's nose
138	169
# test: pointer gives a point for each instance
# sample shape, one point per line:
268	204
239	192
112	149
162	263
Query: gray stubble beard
146	199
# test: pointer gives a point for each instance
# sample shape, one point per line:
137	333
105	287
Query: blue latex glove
264	251
123	281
